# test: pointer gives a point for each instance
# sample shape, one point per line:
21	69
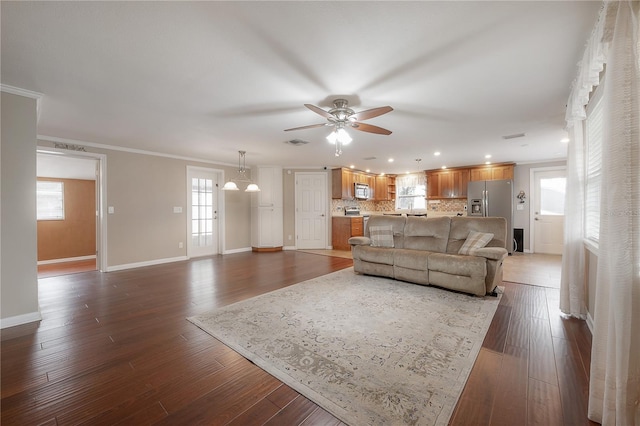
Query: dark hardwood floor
115	348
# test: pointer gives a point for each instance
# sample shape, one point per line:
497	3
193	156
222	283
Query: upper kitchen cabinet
492	172
342	181
385	188
447	183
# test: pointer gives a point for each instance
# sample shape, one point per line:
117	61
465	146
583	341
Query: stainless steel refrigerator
492	198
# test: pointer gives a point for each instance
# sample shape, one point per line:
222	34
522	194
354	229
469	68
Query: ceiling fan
341	116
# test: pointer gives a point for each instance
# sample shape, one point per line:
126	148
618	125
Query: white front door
548	211
202	214
311	210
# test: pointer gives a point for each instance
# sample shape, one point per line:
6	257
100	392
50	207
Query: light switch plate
110	210
177	209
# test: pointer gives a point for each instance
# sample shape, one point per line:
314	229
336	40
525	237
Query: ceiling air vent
514	136
370	158
296	142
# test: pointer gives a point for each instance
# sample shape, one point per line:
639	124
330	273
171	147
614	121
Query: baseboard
240	250
20	319
66	259
147	263
527	251
590	322
289	248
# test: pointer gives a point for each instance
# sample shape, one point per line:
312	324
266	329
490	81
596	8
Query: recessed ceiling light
408	172
390	160
436	153
367	170
352	166
382	174
487	156
444	167
487	162
565	140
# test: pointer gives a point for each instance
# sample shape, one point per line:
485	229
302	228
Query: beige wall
143	189
521	181
19	275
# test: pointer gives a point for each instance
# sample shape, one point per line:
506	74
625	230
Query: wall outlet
177	209
180	245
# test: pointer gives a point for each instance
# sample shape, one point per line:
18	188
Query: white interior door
548	211
202	212
311	210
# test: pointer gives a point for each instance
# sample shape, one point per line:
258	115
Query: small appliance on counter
352	211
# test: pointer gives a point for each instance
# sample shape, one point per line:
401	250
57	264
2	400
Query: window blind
593	171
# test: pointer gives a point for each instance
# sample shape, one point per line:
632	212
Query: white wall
19	273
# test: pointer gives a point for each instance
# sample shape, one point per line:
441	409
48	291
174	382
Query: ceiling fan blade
319	110
370	113
309	127
370	128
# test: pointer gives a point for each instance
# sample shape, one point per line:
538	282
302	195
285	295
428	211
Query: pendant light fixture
241	177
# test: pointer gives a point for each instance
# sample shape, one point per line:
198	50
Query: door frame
220	198
532	195
101	197
327	215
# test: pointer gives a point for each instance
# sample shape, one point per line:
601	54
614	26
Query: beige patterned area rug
369	350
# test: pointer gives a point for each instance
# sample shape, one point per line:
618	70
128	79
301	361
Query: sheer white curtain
572	284
573	300
614	387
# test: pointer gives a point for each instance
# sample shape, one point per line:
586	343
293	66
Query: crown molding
54	139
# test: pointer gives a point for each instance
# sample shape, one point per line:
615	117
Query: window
593	171
552	193
50	200
411	191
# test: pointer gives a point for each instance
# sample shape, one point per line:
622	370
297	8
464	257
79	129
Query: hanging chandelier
241	177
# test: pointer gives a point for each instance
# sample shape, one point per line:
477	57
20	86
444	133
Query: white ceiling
206	79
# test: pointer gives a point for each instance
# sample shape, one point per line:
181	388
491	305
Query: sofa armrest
360	241
494	253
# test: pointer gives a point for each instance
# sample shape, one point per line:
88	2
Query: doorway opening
70	197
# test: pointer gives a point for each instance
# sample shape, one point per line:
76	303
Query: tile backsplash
337	206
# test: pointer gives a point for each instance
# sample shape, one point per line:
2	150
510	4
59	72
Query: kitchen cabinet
492	172
447	183
267	210
343	228
342	181
381	192
385	188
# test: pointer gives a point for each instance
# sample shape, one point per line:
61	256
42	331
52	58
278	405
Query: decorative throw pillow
474	241
381	236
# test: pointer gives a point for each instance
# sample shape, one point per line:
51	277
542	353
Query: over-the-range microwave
361	191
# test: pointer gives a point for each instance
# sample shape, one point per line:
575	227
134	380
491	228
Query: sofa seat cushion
458	264
373	254
411	259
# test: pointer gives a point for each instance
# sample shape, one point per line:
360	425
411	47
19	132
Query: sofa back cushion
432	234
461	226
395	222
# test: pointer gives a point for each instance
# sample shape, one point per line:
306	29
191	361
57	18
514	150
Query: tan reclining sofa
427	251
